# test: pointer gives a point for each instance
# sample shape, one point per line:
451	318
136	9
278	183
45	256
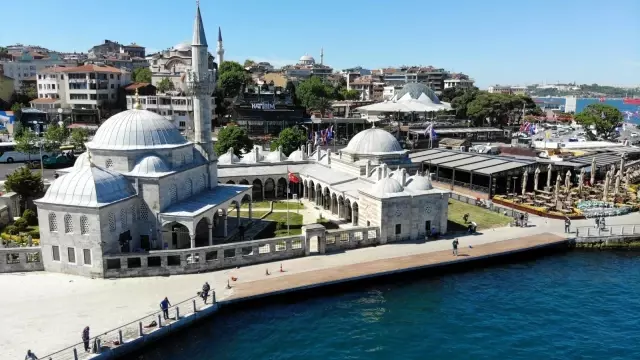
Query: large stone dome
373	141
415	90
136	129
89	186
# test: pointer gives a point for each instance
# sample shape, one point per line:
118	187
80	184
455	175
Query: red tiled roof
93	68
44	101
136	85
54	69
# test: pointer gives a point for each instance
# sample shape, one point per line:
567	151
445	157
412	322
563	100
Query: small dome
81	161
252	157
297	155
419	183
90	186
182	47
276	156
307	58
415	90
386	186
136	129
373	141
228	158
150	165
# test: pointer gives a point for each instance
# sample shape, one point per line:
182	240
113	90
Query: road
6	169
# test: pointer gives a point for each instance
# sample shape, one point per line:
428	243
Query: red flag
293	178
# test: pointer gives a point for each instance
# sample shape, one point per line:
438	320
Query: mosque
142	186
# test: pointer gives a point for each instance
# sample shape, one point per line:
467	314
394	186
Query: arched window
53	222
68	224
202	183
188	188
173	193
84	225
109	163
112	222
123	218
144	213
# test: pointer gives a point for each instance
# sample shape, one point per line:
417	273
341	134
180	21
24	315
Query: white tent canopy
418	100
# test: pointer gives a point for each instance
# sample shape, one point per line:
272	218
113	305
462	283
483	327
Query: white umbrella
618	179
557	190
549	177
567	180
525	177
536	174
593	171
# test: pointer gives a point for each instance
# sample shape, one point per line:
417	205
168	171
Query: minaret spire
199	38
322	56
220	48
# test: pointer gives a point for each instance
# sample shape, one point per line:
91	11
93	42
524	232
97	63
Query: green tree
17	107
604	118
315	95
291	89
249	63
451	93
290	140
233	137
29	90
18	129
141	75
165	85
350	94
461	103
54	137
25	183
79	137
27	143
231	78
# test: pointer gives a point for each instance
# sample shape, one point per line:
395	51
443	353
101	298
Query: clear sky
493	41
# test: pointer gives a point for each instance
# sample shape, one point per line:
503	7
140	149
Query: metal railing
112	339
608	231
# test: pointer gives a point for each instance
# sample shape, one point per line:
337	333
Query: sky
493	41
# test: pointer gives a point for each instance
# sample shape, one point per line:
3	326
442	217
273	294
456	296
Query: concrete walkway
46	312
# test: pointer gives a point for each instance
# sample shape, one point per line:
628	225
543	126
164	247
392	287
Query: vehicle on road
59	161
9	154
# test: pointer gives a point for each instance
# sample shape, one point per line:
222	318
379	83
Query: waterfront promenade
46	312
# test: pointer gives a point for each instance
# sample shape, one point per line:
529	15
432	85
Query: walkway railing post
194	306
159	322
120	336
177	313
75	354
213	297
140	328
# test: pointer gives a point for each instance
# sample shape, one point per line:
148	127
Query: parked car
59	161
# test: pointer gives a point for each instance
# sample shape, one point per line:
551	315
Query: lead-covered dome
228	158
150	164
373	141
182	47
415	91
81	161
135	130
386	185
297	155
90	186
419	183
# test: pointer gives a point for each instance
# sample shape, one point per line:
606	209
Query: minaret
220	49
200	84
322	56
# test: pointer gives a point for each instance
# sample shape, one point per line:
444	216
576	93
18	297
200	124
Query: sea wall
616	237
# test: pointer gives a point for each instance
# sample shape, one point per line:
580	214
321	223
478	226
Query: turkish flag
293	178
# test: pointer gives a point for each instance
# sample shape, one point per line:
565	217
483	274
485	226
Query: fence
109	343
21	259
351	238
607	231
489	205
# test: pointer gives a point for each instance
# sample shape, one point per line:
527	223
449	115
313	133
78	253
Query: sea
574	305
630	111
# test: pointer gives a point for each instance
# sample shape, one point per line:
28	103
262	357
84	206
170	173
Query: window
173	194
84	225
39	77
61	77
71	252
118	77
53	222
68	224
40	86
55	252
123	218
112	222
86	256
133	213
398	229
109	163
144	213
111	76
113	96
182	124
188	188
53	86
112	85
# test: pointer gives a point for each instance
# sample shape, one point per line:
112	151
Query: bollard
633	229
159	322
194	307
213	297
75	354
120	336
177	313
140	328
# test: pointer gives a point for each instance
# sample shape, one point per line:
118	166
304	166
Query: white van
9	154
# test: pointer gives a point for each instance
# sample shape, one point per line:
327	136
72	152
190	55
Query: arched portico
269	189
326	199
257	190
203	233
348	213
311	192
281	188
354	215
230	182
340	206
334	204
175	236
318	195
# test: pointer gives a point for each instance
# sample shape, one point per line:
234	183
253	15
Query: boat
631	101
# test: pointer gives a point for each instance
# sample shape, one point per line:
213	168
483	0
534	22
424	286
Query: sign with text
263	106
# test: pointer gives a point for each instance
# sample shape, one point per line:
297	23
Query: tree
233	137
451	93
25	183
461	103
27	143
141	75
54	137
165	85
291	89
314	94
231	78
79	136
249	63
29	90
604	118
290	140
350	94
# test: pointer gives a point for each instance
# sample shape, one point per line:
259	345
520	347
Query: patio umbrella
549	177
627	177
605	191
557	190
567	180
536	174
525	177
593	171
618	178
581	180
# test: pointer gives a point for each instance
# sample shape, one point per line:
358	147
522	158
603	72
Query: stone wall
21	260
350	239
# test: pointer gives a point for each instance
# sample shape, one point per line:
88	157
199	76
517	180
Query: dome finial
137	105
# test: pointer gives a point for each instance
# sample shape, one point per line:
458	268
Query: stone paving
46	312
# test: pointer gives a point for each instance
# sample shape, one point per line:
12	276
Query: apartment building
370	87
458	83
26	65
507	89
176	109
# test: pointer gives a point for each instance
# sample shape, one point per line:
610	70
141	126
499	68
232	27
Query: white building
458	83
177	109
307	67
27	66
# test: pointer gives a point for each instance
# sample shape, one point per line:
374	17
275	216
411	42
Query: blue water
579	305
582	103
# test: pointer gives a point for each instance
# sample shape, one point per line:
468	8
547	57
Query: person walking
30	356
567	225
85	338
455	247
205	291
164	306
465	217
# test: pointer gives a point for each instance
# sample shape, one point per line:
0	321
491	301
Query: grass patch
281	217
485	219
245	214
279	226
277	205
